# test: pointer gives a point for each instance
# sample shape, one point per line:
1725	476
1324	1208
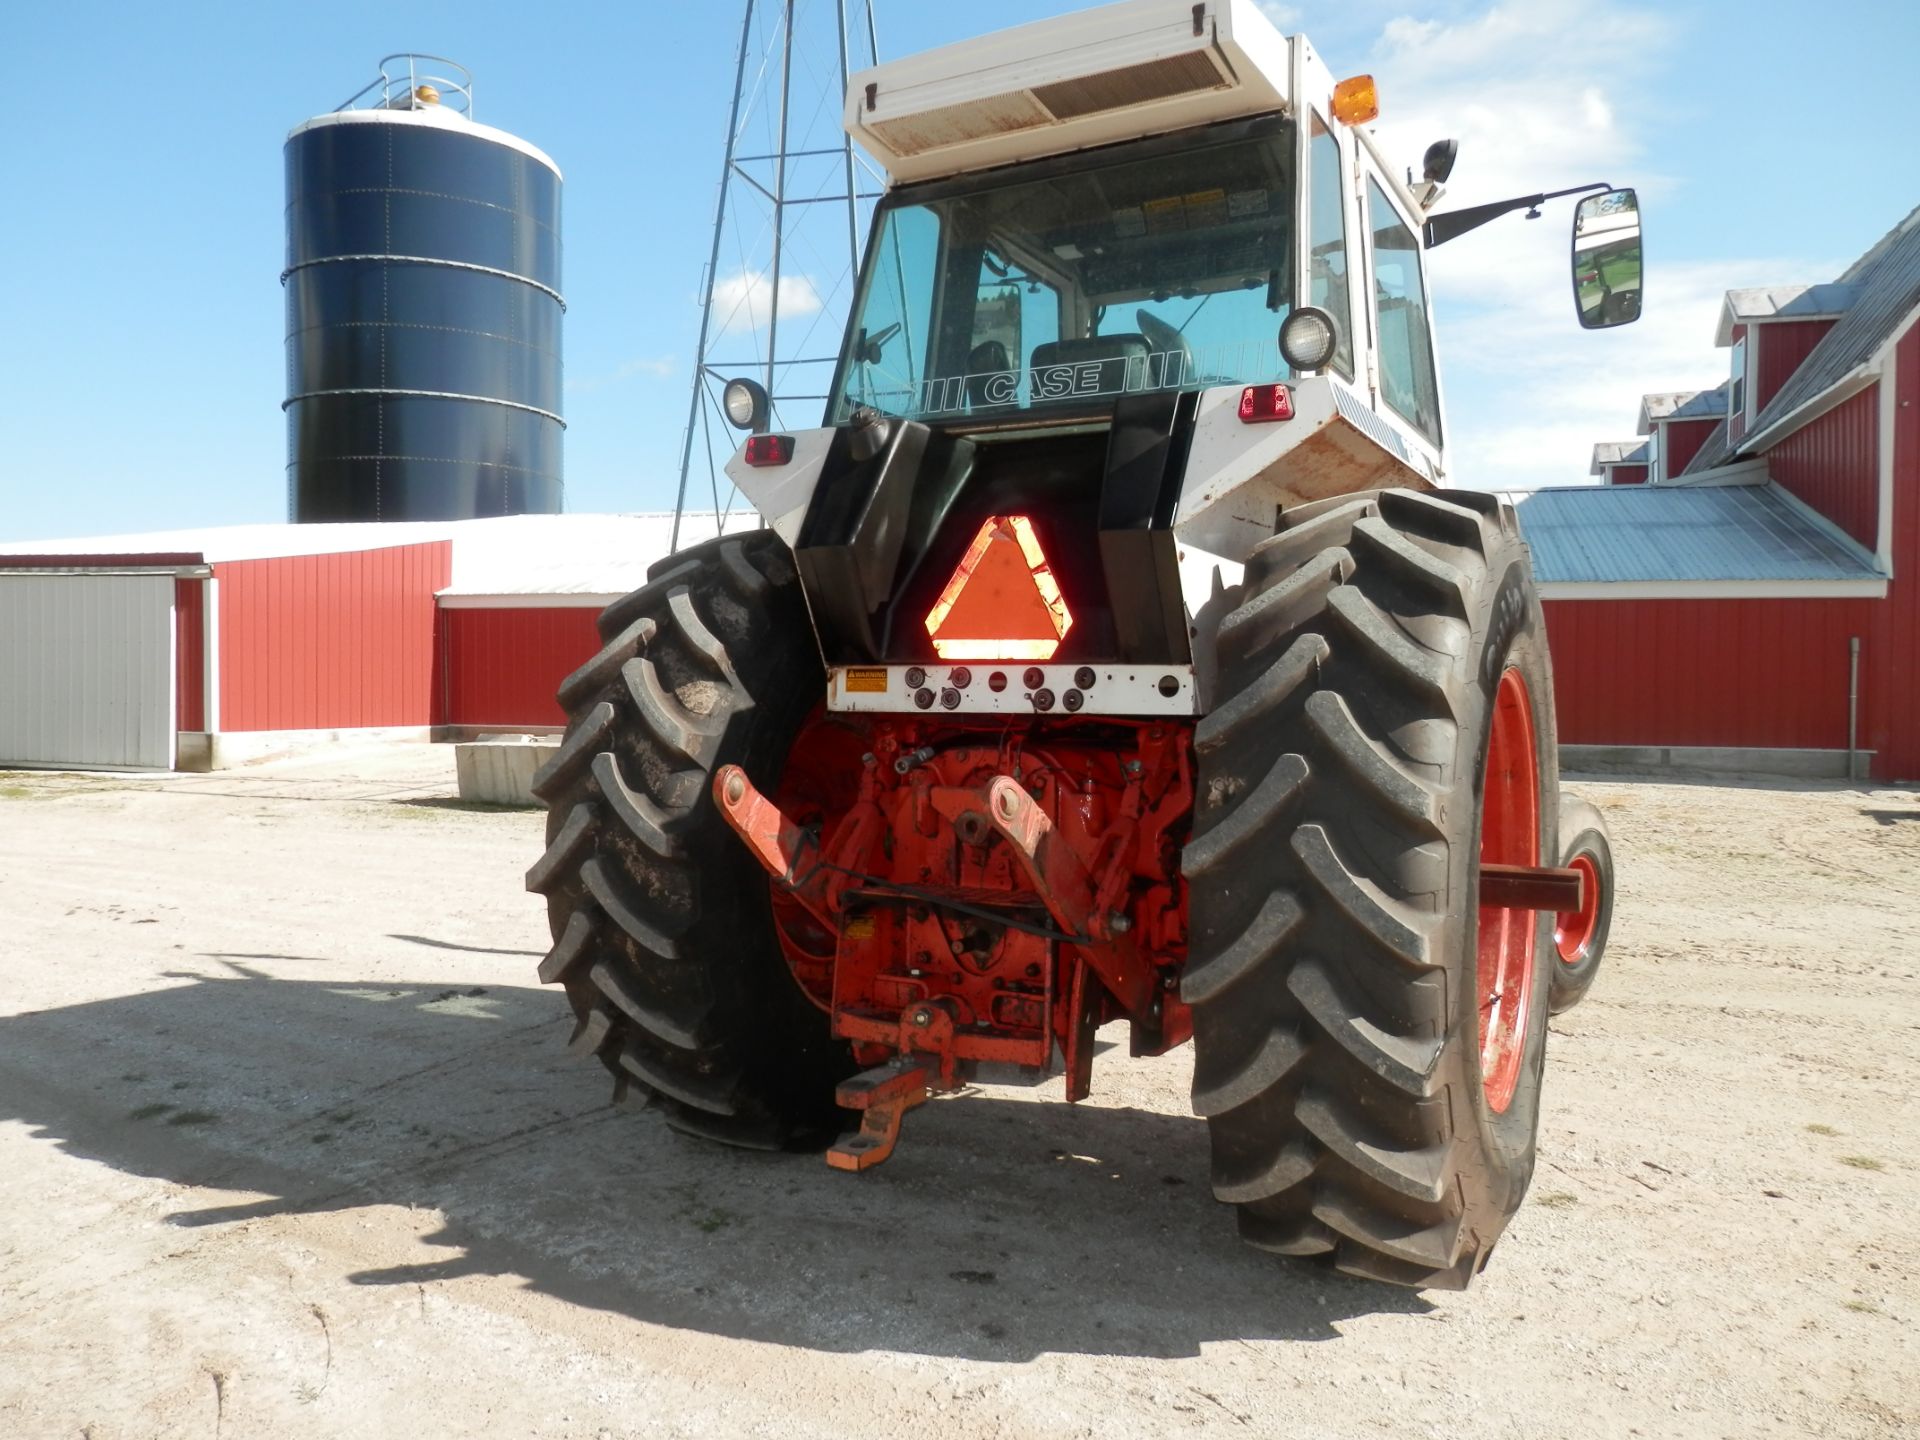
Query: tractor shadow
1886	819
1007	1226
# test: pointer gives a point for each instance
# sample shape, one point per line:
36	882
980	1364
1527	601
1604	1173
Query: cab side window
1327	241
891	352
1406	338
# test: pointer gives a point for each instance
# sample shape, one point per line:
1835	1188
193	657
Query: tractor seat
987	362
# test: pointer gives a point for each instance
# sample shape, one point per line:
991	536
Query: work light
746	405
1307	338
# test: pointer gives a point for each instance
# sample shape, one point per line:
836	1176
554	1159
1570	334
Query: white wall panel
86	670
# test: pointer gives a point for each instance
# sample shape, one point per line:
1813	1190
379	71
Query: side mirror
1607	262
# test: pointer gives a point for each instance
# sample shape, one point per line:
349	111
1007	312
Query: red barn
201	649
1757	603
1677	423
1621	462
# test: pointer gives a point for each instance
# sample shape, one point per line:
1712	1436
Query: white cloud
1285	18
1542	391
742	300
1538	104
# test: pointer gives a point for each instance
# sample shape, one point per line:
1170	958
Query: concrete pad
1716	759
499	770
199	752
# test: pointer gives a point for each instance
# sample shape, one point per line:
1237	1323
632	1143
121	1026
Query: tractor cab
1144	267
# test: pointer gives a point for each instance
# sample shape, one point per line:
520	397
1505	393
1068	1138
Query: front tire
1369	1041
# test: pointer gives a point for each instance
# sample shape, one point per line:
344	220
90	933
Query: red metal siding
502	667
1627	475
1890	663
1778	350
189	654
326	642
1767	673
1834	465
1681	443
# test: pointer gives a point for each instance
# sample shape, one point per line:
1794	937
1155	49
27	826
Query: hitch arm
793	855
1070	893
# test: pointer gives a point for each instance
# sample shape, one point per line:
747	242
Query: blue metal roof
1594	534
1713	450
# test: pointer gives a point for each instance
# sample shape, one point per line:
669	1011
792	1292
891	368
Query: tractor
1111	652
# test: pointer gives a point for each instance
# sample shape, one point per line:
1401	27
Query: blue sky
140	323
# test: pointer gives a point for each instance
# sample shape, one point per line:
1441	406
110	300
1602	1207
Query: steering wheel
1163	338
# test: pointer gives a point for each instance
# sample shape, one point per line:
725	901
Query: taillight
768	449
1265	402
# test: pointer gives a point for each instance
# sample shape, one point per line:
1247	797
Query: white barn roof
1682	405
1783	302
531	555
1619	452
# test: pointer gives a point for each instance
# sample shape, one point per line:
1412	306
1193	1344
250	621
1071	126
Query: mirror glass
1606	259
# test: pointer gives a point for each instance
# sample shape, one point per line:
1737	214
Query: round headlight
746	405
1308	338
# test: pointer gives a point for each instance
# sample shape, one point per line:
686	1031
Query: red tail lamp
768	449
1265	402
1002	602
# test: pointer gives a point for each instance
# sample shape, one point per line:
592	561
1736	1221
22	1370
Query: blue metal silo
423	308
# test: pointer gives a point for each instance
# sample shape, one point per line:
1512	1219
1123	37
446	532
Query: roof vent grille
953	124
1184	74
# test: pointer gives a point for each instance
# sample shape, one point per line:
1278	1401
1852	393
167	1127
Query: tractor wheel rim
818	784
1509	835
1573	929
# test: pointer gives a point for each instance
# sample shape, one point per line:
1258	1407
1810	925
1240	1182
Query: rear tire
1334	874
661	918
1580	940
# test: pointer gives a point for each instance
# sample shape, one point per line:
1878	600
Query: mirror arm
1454	223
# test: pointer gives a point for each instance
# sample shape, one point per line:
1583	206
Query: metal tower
788	224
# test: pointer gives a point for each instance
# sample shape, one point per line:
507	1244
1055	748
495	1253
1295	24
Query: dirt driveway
289	1146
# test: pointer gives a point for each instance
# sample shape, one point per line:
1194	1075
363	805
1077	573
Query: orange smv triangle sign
1002	602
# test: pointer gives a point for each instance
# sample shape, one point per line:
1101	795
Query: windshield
1058	293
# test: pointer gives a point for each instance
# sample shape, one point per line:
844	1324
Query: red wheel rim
818	785
1573	929
1509	835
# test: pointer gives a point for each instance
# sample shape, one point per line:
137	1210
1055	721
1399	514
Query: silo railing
401	78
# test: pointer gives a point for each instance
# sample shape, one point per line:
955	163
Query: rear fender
1240	475
781	494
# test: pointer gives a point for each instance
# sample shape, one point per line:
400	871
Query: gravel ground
289	1146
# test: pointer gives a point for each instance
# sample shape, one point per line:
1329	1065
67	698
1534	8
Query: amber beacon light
1356	101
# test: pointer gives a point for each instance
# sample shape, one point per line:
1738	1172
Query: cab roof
1099	76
